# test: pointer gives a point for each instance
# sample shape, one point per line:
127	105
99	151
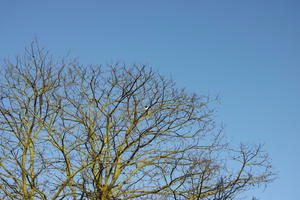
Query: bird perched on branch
146	108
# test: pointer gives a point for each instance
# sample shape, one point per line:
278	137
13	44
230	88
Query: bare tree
104	133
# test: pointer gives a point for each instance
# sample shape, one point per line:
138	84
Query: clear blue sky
246	51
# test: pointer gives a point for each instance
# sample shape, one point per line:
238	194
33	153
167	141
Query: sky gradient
248	52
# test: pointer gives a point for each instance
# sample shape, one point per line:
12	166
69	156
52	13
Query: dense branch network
74	132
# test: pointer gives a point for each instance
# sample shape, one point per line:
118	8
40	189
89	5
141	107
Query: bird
146	107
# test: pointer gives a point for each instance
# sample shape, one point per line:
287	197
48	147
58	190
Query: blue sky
248	52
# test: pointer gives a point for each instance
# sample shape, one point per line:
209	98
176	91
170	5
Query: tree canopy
101	133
